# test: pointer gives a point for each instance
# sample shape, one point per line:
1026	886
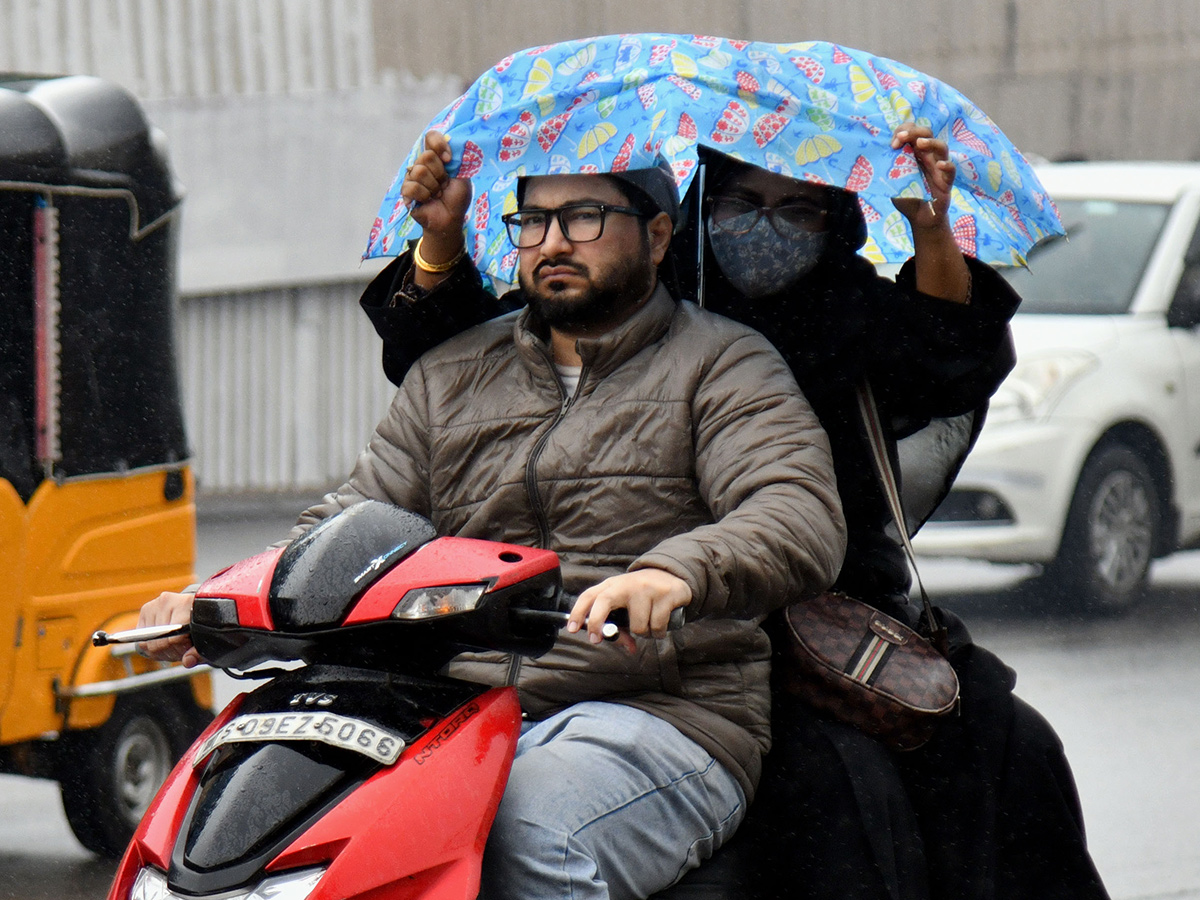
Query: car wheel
110	774
1111	530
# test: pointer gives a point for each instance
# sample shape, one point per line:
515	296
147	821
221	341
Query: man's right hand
169	608
648	595
437	202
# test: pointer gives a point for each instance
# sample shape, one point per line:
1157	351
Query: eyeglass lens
737	216
579	224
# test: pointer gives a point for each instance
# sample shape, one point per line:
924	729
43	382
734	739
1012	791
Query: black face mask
761	261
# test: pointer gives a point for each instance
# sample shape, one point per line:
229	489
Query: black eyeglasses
735	215
579	222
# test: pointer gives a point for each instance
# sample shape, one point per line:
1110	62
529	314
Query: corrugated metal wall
194	48
1103	78
282	384
1106	79
282	388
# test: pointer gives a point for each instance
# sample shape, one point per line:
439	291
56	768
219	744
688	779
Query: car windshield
1096	269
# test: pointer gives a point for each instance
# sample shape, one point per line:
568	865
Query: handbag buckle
883	628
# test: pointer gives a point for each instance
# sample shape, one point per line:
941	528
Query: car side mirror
1184	311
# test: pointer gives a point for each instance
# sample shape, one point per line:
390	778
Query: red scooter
360	772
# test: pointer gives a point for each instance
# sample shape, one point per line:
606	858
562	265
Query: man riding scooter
668	457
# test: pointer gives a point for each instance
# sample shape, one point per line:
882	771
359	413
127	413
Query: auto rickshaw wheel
110	774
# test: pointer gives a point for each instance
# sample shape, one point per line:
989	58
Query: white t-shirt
569	375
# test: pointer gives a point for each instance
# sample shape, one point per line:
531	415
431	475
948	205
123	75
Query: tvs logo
313	699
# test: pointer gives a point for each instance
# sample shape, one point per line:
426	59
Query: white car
1089	461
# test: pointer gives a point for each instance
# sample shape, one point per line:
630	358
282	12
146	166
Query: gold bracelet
438	268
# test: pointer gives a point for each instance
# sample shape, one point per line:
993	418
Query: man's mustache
577	268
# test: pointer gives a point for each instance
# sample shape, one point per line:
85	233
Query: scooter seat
725	876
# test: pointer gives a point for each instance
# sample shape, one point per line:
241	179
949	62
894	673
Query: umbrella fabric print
809	110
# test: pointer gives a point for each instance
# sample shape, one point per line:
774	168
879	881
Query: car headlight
433	602
1035	383
151	884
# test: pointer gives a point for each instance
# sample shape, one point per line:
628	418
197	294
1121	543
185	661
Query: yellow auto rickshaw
97	509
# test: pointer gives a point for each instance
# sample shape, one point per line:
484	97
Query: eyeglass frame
511	221
768	211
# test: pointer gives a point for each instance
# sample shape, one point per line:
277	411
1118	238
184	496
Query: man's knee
529	851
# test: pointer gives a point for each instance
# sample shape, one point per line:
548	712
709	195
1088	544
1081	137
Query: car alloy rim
141	763
1120	531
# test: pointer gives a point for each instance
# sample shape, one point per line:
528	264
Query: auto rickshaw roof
88	258
82	131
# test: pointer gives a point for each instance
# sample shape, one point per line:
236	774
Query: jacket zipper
531	485
535	496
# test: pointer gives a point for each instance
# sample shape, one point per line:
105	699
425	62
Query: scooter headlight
289	886
151	884
443	600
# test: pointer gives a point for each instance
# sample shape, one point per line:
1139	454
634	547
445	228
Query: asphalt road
1124	695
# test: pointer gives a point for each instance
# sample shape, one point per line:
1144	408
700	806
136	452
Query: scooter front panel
256	796
248	584
424	820
155	837
452	560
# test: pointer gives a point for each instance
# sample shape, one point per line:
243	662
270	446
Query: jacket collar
604	354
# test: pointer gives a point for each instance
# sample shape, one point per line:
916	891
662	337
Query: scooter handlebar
617	619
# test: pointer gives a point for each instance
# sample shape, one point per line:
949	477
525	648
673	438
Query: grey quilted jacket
687	446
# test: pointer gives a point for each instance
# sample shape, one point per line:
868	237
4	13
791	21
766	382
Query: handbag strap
891	490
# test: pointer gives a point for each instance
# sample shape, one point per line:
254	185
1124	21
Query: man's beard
606	301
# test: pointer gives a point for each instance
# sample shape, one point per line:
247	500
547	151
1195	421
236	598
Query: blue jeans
606	801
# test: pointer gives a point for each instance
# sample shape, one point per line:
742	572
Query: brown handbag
862	666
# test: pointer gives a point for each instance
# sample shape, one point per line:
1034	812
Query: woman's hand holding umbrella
439	204
941	270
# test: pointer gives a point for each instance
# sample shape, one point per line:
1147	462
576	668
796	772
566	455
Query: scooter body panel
424	820
416	828
155	836
248	584
364	772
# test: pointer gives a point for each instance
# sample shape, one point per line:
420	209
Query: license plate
328	728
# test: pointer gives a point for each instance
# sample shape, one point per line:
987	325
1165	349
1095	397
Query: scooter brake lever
138	635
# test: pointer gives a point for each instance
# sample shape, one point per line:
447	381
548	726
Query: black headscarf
818	321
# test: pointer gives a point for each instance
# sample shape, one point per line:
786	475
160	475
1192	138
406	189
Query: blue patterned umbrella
811	110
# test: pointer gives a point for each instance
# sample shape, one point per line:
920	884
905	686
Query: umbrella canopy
811	110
